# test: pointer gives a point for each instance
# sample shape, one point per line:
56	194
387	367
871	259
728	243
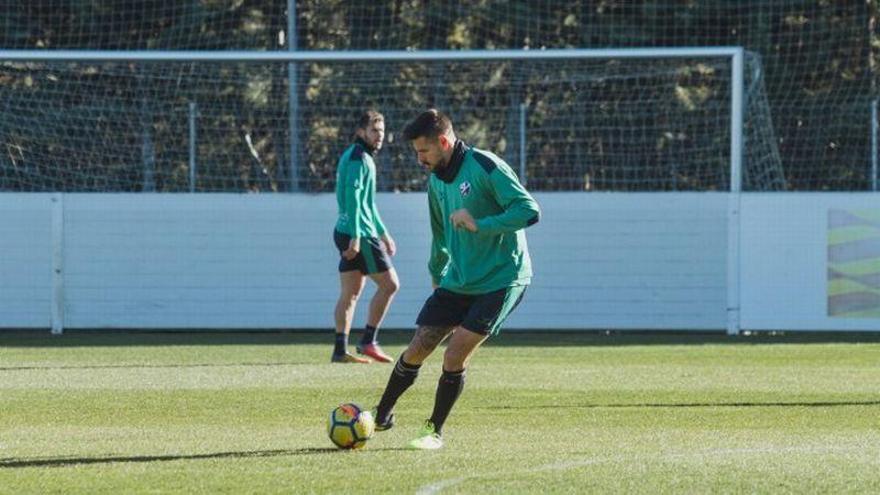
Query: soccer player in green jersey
479	263
364	245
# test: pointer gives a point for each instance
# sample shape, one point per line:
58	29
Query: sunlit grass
551	413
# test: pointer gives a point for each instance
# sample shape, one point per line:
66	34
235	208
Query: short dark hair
368	117
430	123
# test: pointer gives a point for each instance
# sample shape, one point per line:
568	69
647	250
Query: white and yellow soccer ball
350	426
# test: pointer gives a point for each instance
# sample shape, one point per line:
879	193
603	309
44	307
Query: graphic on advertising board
854	263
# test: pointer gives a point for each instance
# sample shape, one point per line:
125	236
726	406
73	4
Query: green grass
92	412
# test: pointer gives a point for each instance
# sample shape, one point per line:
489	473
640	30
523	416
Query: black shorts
372	259
479	313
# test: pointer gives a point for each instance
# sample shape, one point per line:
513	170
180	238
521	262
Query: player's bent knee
387	282
392	287
453	359
351	297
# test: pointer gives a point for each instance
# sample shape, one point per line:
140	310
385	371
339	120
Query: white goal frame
735	54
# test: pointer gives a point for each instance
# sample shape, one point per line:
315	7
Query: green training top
496	256
356	193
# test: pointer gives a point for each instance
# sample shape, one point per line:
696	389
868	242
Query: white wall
25	260
784	260
267	261
622	261
628	261
201	261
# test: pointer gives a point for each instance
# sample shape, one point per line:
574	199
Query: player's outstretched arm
520	208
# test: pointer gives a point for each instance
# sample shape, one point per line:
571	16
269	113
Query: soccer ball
349	426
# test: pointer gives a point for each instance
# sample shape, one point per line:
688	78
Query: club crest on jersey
465	189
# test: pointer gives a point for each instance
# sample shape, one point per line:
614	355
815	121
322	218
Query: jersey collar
363	144
448	173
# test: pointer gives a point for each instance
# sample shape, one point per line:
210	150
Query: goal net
598	123
818	66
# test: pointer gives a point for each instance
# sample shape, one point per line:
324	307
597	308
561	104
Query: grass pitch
551	413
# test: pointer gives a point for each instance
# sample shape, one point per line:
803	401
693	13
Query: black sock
448	389
402	376
341	343
371	333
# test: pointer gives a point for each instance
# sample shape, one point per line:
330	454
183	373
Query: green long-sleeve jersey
496	256
356	193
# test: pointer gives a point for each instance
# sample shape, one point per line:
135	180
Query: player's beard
439	166
372	148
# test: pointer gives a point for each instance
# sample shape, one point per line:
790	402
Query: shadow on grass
13	463
509	338
662	405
